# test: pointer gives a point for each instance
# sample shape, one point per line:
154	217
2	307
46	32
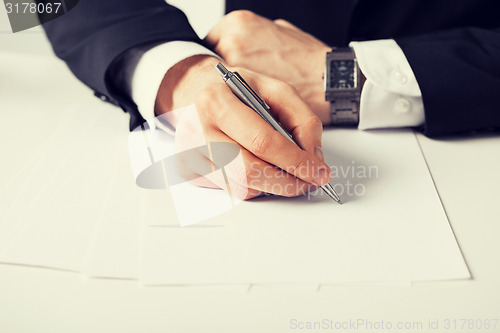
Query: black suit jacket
453	46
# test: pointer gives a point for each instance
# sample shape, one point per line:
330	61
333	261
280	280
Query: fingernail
319	153
322	176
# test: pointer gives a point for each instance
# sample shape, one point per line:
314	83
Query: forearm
94	34
458	72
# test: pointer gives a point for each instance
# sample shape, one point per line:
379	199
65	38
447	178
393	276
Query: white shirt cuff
152	67
391	96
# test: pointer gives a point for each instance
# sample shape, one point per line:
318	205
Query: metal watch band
345	111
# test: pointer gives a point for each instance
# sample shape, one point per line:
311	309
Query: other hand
277	49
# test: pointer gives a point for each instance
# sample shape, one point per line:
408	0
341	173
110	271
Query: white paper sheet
28	114
395	229
67	191
33	110
115	247
30	185
157	214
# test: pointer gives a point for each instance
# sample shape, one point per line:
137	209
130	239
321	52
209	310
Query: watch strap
345	111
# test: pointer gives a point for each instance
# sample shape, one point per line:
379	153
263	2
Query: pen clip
254	94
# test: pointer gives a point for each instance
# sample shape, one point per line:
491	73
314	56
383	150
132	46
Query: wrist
316	96
343	82
182	81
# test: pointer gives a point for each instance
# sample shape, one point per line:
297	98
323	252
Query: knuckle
280	21
284	87
313	123
204	98
230	44
260	144
274	86
207	101
242	15
299	169
290	89
310	125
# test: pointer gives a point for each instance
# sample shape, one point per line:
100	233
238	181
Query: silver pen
248	96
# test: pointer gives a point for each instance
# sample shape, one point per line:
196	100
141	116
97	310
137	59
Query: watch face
342	74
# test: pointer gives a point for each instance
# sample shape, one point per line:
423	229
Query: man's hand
277	49
222	117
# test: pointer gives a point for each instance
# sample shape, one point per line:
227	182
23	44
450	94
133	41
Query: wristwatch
342	86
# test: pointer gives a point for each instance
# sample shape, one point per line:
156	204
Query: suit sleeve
95	33
458	72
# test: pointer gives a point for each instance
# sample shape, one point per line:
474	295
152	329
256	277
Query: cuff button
399	77
402	105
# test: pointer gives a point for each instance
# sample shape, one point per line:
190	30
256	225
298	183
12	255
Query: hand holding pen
224	118
247	95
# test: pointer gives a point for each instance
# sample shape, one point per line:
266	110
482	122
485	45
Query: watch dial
342	74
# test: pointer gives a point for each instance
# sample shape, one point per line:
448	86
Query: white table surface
465	171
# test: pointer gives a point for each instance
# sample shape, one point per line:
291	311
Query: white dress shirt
390	96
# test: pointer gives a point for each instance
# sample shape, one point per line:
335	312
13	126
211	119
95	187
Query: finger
250	174
244	178
292	112
223	180
197	165
244	126
234	188
192	159
216	180
262	176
